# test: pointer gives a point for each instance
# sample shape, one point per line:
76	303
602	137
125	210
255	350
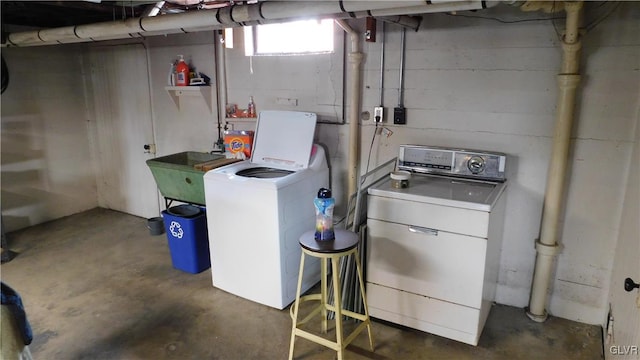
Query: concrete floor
96	285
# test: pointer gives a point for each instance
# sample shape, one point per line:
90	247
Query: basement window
302	37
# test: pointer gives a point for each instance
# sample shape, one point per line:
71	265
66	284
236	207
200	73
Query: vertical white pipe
382	65
221	87
355	59
547	246
154	135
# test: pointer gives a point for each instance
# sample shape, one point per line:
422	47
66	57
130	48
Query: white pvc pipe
292	10
232	16
56	34
352	6
547	246
355	59
432	8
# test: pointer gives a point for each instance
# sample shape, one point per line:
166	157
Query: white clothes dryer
258	208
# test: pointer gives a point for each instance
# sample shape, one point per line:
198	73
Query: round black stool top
344	241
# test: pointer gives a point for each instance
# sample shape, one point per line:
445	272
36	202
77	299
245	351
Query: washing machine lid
283	139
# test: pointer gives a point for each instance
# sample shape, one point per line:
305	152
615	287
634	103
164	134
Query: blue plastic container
186	229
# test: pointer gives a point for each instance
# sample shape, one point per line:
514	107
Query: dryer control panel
472	164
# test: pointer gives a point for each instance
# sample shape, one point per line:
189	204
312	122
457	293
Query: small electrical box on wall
370	32
399	116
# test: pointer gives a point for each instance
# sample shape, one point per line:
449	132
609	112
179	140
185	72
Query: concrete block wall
482	84
473	83
47	168
192	126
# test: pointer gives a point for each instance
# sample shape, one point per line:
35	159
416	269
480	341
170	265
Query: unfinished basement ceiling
48	14
51	14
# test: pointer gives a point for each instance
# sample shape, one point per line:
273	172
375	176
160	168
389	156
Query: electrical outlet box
399	116
378	114
149	148
287	101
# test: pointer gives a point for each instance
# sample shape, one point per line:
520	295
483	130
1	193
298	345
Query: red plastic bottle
182	72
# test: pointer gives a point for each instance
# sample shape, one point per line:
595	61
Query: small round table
344	244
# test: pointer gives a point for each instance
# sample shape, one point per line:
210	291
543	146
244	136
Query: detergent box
236	141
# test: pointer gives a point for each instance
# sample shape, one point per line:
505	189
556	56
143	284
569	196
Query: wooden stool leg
364	298
323	293
337	306
295	307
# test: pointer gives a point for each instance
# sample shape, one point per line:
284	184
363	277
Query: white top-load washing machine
258	208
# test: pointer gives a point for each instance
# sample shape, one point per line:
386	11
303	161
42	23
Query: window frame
251	42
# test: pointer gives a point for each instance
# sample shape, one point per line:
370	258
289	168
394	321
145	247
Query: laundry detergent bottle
324	215
182	72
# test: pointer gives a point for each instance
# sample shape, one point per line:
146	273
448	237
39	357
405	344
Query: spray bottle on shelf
251	109
324	215
171	80
182	72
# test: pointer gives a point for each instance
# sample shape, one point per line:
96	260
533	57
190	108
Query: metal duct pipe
232	16
355	59
547	246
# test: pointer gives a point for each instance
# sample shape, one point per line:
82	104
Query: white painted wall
480	84
47	171
122	125
608	114
471	83
625	306
193	126
314	81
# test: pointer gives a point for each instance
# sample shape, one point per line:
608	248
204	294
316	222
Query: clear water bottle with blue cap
324	215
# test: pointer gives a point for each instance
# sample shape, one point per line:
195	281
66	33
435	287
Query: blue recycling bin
186	229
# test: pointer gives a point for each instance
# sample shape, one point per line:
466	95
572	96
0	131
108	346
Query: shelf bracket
175	92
